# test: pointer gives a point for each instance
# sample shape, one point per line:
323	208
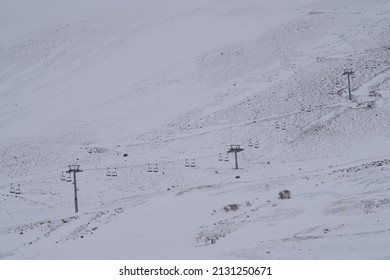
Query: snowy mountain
127	87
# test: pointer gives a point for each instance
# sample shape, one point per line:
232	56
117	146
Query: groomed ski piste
129	87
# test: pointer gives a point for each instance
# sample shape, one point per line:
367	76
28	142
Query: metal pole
76	207
349	72
235	154
349	86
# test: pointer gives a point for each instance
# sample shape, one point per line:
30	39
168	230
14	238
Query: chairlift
277	125
69	179
114	173
257	145
250	144
227	157
63	177
155	168
150	168
193	163
18	191
220	157
12	190
284	127
187	164
108	173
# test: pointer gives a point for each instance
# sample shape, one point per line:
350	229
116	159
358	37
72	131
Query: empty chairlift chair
284	126
250	144
193	163
187	164
150	168
155	168
17	190
277	125
114	173
220	158
63	177
257	145
227	157
12	190
108	173
69	179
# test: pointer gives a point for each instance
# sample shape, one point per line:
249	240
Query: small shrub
286	194
209	238
231	207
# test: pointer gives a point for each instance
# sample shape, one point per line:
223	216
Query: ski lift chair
12	190
63	177
18	191
114	173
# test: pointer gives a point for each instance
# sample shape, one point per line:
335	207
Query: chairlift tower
74	168
235	149
349	72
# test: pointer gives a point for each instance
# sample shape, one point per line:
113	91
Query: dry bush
231	207
286	194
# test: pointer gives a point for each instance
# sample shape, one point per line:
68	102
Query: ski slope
130	84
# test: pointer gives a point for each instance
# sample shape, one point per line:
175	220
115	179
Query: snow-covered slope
130	83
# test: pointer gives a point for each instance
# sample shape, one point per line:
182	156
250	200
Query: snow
88	82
